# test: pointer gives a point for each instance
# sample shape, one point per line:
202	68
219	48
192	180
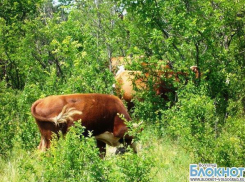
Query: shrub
76	158
192	121
8	123
231	143
73	158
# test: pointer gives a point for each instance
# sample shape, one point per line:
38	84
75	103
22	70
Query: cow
99	113
127	81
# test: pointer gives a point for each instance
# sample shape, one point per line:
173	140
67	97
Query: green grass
20	166
171	162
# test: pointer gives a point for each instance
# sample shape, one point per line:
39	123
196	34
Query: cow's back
97	110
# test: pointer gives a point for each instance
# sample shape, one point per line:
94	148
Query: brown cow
99	113
162	83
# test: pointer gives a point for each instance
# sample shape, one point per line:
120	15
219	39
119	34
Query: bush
192	121
8	123
196	124
231	143
73	158
76	158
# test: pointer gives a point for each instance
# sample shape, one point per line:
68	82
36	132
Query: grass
20	166
171	162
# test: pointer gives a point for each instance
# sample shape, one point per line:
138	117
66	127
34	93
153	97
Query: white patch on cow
120	69
42	145
108	138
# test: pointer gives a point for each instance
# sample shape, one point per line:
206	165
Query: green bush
9	118
231	143
76	158
196	124
73	158
192	121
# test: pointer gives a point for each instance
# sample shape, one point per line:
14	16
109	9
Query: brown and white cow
99	113
127	81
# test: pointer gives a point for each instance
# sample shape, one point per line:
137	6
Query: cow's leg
44	143
102	148
46	129
45	140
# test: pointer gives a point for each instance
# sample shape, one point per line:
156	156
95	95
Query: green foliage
74	158
17	125
8	124
194	121
131	167
48	49
231	143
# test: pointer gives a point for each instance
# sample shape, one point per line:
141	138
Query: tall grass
172	161
157	160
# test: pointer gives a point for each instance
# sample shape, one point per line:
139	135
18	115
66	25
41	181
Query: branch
229	42
197	54
59	72
166	34
39	60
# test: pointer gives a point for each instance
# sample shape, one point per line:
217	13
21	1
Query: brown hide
124	86
162	65
162	83
98	113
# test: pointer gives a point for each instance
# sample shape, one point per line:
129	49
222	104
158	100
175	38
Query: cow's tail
65	115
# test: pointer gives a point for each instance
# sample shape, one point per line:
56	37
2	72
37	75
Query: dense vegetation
66	47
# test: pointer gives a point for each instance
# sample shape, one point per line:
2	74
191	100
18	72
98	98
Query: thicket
48	49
